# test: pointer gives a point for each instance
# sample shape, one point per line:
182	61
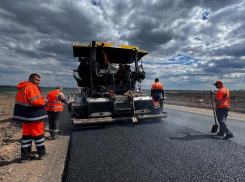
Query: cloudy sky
192	43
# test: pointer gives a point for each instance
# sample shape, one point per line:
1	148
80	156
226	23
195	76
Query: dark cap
217	82
157	80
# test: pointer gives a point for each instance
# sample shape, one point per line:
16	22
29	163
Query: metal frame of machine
97	75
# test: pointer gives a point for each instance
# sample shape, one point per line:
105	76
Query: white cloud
191	43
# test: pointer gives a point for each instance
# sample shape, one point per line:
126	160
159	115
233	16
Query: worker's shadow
9	120
8	141
5	163
189	137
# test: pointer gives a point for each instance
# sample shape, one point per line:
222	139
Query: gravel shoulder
232	114
49	169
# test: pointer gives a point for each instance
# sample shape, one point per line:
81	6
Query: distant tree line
240	90
7	86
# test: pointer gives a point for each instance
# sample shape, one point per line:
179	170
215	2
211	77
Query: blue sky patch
178	59
207	44
198	39
183	59
97	4
205	14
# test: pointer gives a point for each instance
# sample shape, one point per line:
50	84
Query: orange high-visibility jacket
157	89
105	58
53	103
223	94
29	104
121	70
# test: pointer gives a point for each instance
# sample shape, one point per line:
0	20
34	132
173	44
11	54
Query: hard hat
217	82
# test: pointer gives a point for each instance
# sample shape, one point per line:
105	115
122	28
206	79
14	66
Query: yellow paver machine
107	77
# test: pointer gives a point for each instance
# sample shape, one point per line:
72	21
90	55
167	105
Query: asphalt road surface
178	148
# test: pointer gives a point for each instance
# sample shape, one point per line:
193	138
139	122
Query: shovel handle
213	109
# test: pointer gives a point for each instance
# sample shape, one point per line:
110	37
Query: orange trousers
33	129
155	103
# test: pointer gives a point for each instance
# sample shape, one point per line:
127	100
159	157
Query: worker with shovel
222	101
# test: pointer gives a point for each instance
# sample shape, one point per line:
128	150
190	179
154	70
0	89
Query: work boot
41	157
229	135
221	133
51	134
55	135
24	160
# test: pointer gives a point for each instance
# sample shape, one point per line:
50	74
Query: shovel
215	127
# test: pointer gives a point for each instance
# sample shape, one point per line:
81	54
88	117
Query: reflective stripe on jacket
157	89
225	101
29	104
53	103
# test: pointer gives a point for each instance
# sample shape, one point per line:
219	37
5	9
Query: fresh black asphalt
178	148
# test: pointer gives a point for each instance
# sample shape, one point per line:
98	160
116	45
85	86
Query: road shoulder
232	115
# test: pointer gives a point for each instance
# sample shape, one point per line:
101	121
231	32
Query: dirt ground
203	100
11	132
49	169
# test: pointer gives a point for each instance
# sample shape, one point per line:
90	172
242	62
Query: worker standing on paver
222	108
54	108
29	109
156	93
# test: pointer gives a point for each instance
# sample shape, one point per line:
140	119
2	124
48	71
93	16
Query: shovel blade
135	119
214	128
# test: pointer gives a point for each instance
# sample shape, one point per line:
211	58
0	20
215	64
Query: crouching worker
156	93
54	108
29	109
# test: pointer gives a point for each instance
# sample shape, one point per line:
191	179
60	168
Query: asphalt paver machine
107	76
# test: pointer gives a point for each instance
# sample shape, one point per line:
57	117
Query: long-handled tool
215	127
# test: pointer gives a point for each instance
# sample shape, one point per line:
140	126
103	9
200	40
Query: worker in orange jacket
54	108
222	101
120	72
156	93
29	109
